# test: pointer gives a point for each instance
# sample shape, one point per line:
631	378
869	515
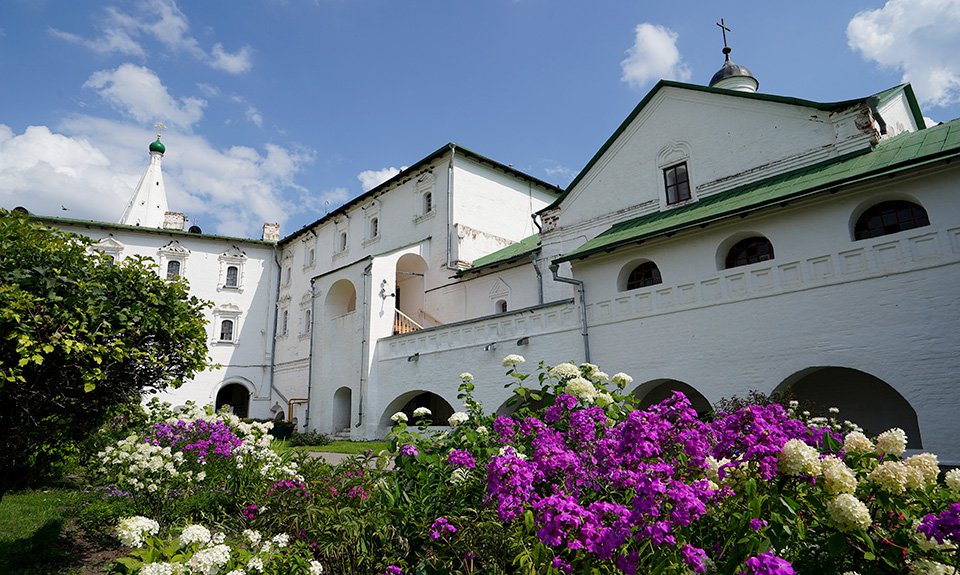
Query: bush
311	438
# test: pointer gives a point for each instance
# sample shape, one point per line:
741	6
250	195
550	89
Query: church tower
149	202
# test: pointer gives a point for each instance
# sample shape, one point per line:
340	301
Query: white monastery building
722	240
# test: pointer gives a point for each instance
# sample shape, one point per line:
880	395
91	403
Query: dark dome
730	70
157	146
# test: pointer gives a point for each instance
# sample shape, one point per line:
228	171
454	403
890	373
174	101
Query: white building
721	241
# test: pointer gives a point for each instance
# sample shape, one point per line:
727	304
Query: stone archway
439	407
864	399
237	397
657	390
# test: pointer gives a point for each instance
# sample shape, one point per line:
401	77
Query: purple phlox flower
559	564
943	525
505	428
357	492
758	524
628	563
290	486
768	564
393	570
695	558
510	482
201	438
563	403
461	458
409	450
250	512
440	528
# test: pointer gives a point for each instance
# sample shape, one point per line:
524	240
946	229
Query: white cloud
91	166
653	56
254	116
161	21
236	63
138	92
918	38
370	179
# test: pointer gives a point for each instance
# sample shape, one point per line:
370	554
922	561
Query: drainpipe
554	268
313	315
536	268
453	153
363	343
273	338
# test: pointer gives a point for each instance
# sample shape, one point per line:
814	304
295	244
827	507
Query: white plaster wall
247	361
731	141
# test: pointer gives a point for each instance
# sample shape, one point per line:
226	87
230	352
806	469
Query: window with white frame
673	162
173	259
231	269
173	269
226	330
226	324
424	187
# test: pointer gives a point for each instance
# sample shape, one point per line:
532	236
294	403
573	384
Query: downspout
554	268
536	268
453	153
533	260
363	344
273	338
313	316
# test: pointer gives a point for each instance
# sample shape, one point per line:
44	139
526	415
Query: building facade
721	241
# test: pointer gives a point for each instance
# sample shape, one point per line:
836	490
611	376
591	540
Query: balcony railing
402	323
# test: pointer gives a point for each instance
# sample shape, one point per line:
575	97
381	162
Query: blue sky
279	110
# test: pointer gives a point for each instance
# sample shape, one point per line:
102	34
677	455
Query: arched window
233	277
645	274
307	321
501	306
889	218
173	269
284	321
427	202
749	251
677	183
342	247
374	227
226	330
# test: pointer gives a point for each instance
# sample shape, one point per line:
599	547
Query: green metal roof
824	106
145	229
523	248
901	152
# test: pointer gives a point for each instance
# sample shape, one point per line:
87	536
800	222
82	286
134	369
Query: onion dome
157	146
732	76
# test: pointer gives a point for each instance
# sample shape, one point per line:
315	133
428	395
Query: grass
347	447
31	532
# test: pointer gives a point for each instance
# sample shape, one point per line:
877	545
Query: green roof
523	248
823	106
144	229
901	152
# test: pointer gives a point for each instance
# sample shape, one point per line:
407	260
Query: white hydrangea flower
194	534
848	513
399	417
798	458
161	569
582	389
892	476
482	430
131	530
509	450
589	369
857	442
255	564
952	480
315	567
236	572
458	418
834	410
422	412
466	376
621	379
563	370
512	360
252	536
281	540
210	560
600	376
604	399
837	477
928	466
892	442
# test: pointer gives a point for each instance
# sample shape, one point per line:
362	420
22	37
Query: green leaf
89	386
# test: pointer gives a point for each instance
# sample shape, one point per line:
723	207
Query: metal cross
160	128
723	27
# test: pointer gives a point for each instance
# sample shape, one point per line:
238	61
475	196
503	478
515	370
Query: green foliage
31	528
80	335
314	438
